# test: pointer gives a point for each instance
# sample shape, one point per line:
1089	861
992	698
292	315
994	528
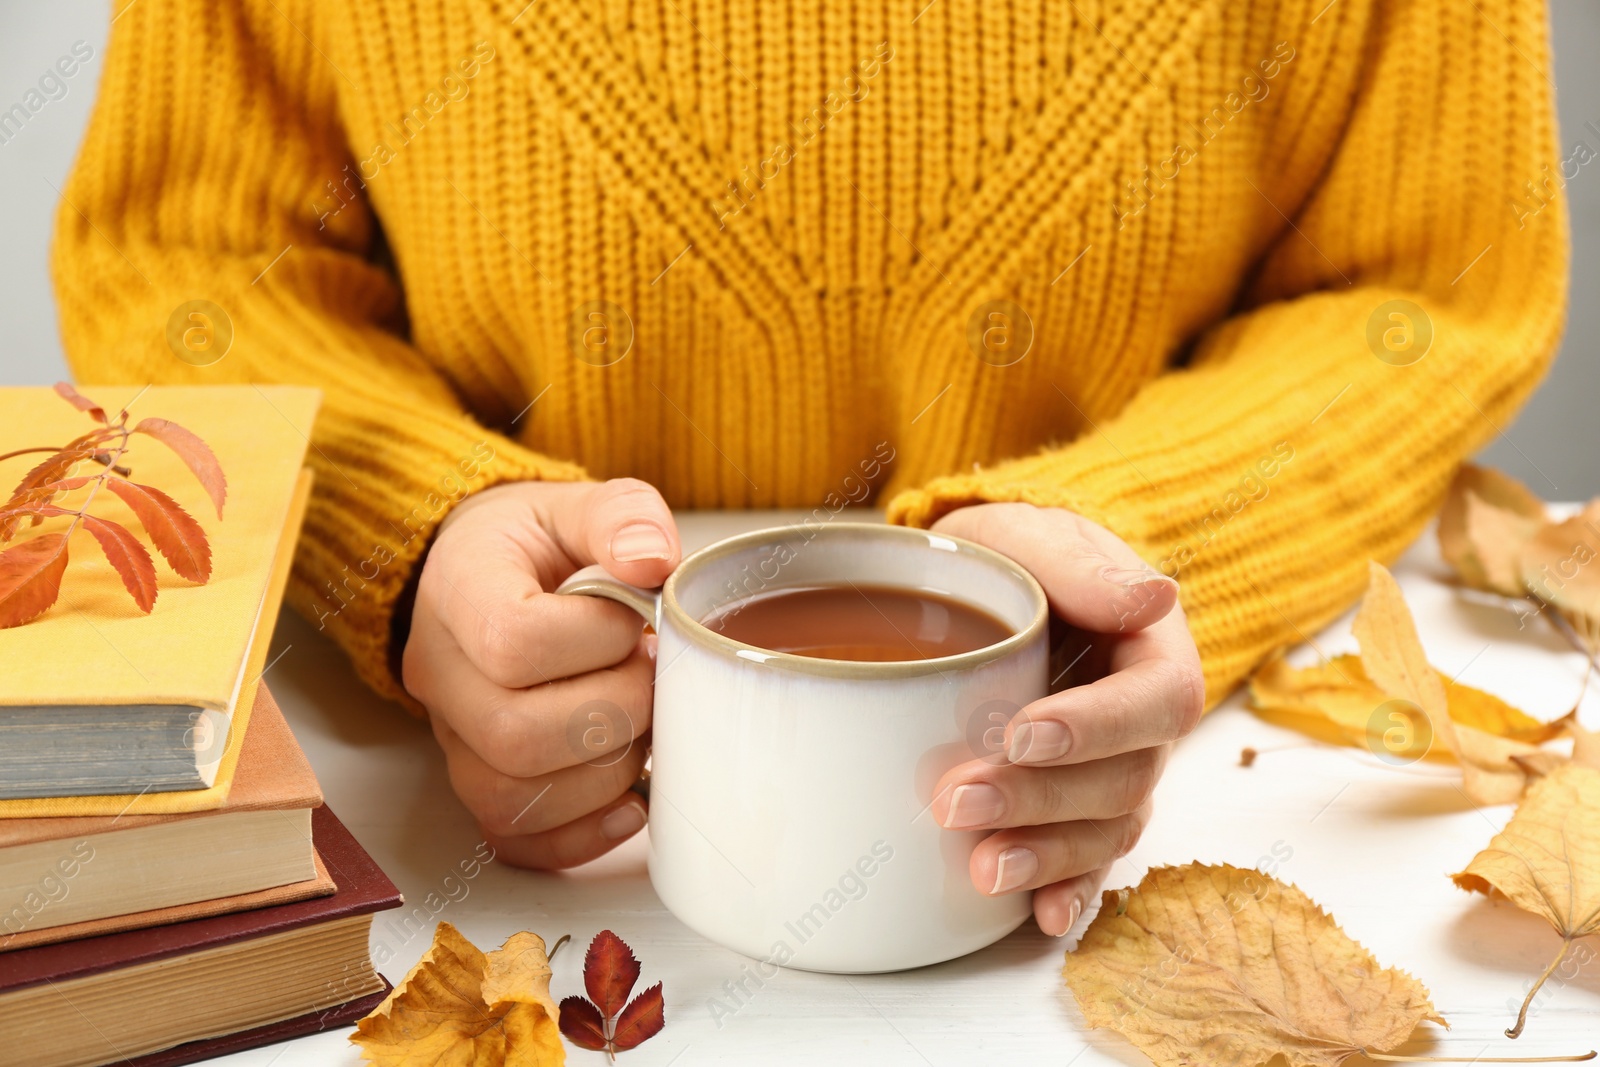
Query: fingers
1035	856
1153	695
528	732
576	842
1093	579
624	526
979	796
1056	908
510	807
481	582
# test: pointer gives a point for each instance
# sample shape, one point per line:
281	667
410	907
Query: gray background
1553	445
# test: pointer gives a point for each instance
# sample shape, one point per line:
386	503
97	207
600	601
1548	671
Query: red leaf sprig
31	571
606	1021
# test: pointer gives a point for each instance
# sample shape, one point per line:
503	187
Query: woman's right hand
540	701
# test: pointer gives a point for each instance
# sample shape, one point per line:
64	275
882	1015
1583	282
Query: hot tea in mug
870	623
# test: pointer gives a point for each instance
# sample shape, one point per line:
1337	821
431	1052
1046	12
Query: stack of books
172	886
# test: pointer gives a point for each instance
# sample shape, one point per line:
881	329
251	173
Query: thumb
1093	579
629	530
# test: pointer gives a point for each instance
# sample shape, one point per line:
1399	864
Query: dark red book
174	994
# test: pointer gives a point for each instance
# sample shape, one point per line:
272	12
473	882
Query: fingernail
640	540
1015	868
1072	916
1131	577
974	805
1037	742
623	822
651	643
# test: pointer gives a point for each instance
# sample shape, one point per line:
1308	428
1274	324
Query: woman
1131	292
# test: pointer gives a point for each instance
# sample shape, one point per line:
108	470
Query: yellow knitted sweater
1137	259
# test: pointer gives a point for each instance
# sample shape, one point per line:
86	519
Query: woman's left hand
1069	791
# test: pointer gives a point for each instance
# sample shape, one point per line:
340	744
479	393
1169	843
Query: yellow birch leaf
1392	652
460	1008
1487	712
1217	964
1331	701
1336	702
1394	658
1547	861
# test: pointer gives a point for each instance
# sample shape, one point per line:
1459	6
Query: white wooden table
1372	843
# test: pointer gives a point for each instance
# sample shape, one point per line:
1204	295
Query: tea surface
858	622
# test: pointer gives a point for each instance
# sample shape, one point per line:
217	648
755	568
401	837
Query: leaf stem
26	451
1478	1059
100	480
557	946
1566	630
1522	1016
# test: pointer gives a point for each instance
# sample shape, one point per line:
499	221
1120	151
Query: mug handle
595	581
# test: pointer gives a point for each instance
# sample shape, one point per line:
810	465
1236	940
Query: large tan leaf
1547	861
461	1008
1216	964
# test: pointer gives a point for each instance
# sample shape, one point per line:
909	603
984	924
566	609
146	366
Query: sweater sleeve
1394	327
196	181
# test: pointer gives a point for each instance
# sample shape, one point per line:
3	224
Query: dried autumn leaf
177	536
582	1023
1540	763
1547	861
643	1018
59	463
81	402
609	972
1555	565
1493	489
1585	745
462	1008
1487	712
1240	964
1499	537
1392	653
30	577
129	558
1336	702
195	453
610	1023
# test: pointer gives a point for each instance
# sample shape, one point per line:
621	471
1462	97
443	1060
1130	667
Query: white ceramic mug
789	796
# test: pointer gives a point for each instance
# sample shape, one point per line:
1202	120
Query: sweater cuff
380	501
924	506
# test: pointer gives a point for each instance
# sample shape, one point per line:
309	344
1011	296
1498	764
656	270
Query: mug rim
699	633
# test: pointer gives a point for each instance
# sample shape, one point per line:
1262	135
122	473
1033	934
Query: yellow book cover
94	647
